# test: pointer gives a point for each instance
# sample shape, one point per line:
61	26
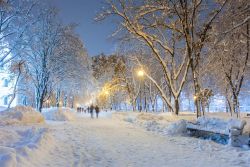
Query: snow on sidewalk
22	144
59	114
110	141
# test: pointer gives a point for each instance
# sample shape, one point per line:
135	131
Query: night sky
94	35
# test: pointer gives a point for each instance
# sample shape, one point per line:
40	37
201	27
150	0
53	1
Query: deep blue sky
94	35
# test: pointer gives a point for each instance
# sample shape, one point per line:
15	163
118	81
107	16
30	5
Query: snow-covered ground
59	114
115	139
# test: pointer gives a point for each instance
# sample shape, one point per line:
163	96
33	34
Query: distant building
6	87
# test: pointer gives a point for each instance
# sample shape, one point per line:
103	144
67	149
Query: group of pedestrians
91	110
80	110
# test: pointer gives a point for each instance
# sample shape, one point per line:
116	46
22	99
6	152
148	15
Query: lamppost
47	103
140	74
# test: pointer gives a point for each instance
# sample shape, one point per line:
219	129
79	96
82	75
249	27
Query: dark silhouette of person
88	109
91	110
97	110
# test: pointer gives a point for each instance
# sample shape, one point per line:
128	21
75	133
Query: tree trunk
153	107
236	105
156	104
196	91
134	105
203	108
58	97
65	101
177	106
39	102
72	101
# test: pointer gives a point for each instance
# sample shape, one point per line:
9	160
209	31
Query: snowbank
170	124
20	143
177	128
20	115
59	114
2	108
163	123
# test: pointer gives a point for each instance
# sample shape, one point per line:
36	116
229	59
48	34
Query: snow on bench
231	129
198	127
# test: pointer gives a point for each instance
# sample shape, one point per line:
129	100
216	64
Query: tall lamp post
140	74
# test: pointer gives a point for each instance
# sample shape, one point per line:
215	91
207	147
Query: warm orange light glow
195	97
106	92
140	73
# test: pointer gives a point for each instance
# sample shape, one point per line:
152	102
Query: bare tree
230	52
15	18
145	22
70	66
43	42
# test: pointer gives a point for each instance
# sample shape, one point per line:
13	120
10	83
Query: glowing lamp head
106	92
195	97
140	73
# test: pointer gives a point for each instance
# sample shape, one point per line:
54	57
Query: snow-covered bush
177	128
59	114
130	119
20	115
149	117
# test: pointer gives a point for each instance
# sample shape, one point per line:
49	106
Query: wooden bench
199	131
233	136
197	127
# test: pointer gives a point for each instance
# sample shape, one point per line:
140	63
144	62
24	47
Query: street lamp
106	92
47	103
195	97
140	73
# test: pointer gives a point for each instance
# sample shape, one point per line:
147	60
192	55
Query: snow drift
19	143
2	108
177	128
20	115
170	124
165	124
59	114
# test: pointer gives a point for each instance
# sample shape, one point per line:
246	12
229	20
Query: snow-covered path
109	142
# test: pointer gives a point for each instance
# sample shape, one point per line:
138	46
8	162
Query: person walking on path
97	110
91	110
